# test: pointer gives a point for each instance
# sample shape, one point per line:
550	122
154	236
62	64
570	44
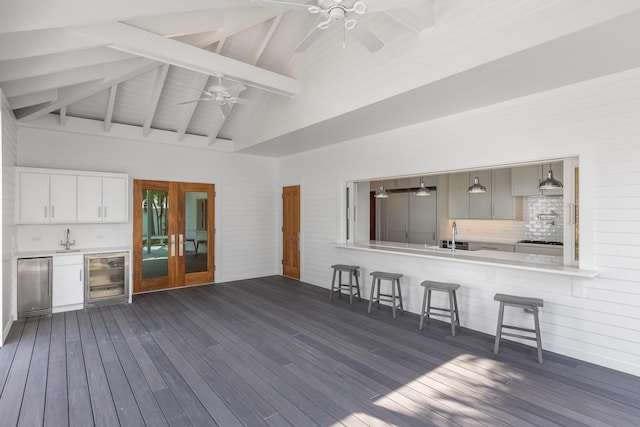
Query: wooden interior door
291	231
171	248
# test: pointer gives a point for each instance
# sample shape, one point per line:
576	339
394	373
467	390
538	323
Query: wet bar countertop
521	261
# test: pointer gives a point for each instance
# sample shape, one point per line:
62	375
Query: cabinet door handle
45	212
81	275
104	210
53	211
99	215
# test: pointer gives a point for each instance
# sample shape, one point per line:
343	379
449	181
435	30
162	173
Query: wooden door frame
176	267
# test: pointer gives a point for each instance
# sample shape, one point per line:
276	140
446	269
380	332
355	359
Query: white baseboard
5	332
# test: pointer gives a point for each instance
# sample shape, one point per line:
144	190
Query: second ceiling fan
344	12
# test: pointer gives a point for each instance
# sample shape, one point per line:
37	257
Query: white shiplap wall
599	121
9	143
246	204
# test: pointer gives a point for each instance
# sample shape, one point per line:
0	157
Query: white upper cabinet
114	199
46	198
70	196
102	199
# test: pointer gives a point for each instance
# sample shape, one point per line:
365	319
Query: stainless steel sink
64	251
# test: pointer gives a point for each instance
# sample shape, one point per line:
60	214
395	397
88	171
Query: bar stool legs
396	300
528	303
451	312
354	272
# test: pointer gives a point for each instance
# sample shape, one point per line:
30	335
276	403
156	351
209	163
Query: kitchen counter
78	251
521	261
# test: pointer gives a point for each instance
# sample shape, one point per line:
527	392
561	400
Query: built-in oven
106	278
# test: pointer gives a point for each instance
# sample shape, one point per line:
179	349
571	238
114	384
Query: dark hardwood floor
274	351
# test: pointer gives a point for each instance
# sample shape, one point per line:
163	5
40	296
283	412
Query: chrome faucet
454	231
67	245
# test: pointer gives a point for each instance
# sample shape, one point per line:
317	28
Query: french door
173	234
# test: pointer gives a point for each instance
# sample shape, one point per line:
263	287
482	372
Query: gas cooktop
540	242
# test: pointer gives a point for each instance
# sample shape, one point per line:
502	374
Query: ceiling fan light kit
343	11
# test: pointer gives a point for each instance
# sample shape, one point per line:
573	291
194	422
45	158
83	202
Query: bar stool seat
354	272
521	302
451	312
396	300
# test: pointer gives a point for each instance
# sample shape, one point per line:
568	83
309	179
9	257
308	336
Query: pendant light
550	183
477	187
423	191
381	193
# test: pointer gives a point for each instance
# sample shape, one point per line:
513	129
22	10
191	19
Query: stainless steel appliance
106	278
34	286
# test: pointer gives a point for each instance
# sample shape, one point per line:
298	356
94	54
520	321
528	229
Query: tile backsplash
542	219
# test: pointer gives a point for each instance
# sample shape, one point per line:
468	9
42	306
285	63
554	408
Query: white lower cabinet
67	283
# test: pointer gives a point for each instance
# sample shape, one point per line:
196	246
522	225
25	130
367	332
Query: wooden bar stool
395	283
354	272
451	312
521	302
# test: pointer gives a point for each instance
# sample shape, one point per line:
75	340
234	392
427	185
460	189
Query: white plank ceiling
125	68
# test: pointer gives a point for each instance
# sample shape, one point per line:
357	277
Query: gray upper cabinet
496	203
458	196
504	205
480	203
525	179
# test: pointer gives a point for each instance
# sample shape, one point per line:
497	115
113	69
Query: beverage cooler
107	278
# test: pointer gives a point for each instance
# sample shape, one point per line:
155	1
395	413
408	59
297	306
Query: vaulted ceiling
130	69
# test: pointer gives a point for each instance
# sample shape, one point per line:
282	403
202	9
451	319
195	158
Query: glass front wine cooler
107	278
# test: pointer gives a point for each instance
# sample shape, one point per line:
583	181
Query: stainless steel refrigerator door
34	286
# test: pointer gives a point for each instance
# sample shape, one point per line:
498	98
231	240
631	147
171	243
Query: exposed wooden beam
154	97
266	39
35	98
73	94
121	131
47	64
112	102
63	115
148	45
71	77
188	109
201	21
25	15
44	42
235	21
416	18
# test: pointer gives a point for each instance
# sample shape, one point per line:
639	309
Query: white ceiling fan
345	11
224	96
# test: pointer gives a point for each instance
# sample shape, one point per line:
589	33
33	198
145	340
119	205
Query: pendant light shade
550	183
477	187
423	191
381	193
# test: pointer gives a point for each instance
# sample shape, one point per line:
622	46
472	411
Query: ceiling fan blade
226	110
195	100
282	3
236	88
310	38
380	5
367	38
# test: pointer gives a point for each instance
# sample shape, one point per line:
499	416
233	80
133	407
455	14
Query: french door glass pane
196	235
155	248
